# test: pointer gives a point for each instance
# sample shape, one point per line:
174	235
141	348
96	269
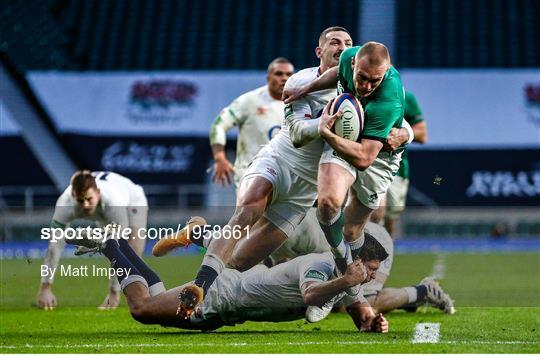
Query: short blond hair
375	53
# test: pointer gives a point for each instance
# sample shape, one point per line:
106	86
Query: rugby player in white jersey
280	293
104	197
258	114
381	299
280	185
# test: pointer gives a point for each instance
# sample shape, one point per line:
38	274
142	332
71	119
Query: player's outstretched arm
223	169
365	319
360	155
318	293
45	298
328	80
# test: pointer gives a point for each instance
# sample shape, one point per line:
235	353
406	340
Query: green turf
496	296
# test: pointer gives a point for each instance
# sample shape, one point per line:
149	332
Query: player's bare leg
388	299
160	309
253	197
390	226
356	217
264	238
379	215
333	183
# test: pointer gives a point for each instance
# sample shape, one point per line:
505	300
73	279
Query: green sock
333	231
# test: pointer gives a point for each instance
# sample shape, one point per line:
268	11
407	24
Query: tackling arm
318	293
327	80
360	155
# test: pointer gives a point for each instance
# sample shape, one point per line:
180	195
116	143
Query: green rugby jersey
384	108
413	115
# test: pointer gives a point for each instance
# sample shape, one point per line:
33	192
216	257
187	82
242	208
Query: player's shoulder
66	198
255	94
302	77
349	53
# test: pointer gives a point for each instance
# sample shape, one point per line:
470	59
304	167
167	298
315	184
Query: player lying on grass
382	299
280	293
103	197
312	240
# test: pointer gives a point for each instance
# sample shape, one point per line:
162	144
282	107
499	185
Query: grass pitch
497	299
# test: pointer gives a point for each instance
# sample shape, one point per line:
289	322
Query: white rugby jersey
304	161
273	294
258	117
117	193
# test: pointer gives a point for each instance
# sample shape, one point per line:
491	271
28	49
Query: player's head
369	67
332	42
279	70
85	191
371	254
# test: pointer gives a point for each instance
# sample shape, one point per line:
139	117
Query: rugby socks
211	267
356	245
333	231
156	286
415	294
119	260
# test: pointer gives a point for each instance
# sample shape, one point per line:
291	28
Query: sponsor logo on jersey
373	198
315	275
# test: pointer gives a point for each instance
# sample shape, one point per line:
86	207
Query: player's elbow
309	298
420	138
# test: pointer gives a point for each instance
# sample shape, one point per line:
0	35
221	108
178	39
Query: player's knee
327	208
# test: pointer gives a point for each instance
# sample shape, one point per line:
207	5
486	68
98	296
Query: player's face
371	269
277	77
335	43
367	78
89	200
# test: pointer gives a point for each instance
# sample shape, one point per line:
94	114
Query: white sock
412	293
156	289
357	244
132	278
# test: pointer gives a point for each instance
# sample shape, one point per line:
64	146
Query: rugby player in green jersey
367	167
394	202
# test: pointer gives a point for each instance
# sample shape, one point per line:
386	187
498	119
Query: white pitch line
426	333
439	267
241	344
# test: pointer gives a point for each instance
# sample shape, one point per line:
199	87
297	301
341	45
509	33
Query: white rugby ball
351	122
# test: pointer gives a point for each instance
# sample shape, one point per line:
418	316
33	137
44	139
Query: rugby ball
351	122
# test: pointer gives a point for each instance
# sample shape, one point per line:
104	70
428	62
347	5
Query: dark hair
277	60
81	181
323	34
372	249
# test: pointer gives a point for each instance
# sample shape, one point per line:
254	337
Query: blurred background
133	87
